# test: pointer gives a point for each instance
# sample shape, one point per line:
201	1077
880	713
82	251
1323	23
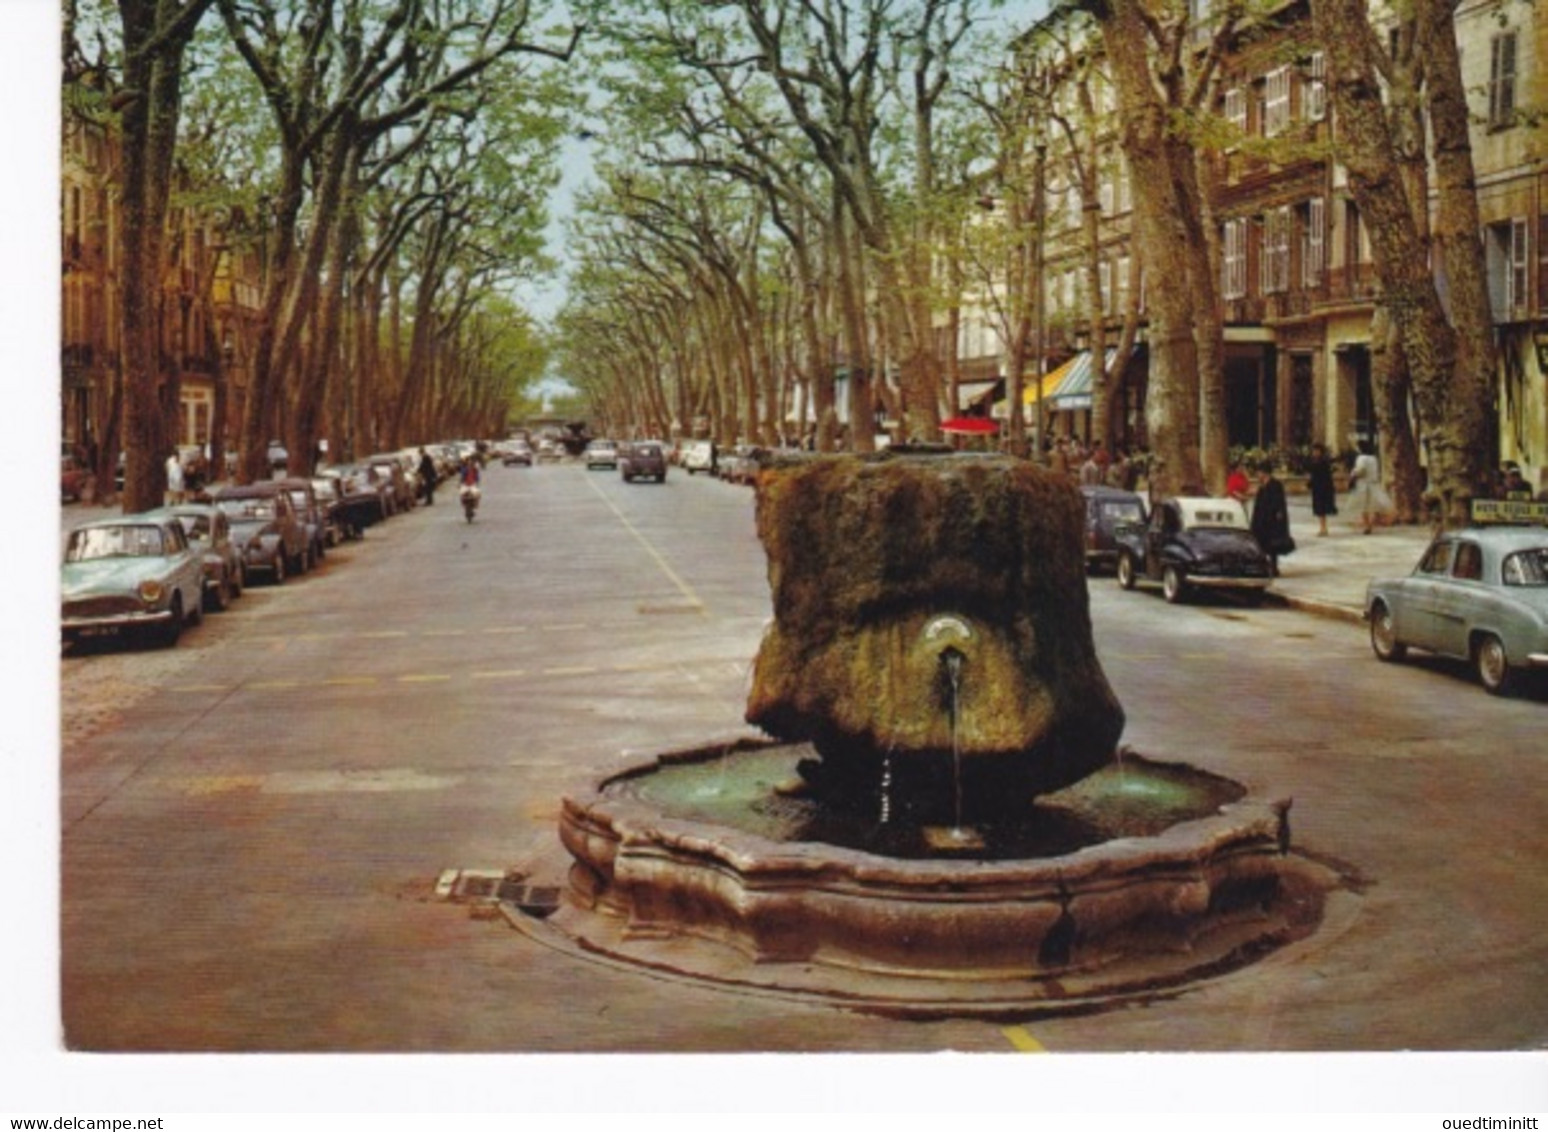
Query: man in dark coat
1271	517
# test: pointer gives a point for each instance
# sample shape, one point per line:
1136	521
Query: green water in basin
757	792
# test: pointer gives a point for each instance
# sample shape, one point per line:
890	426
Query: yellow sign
1509	511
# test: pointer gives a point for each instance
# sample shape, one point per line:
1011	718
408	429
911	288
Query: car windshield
114	542
248	510
195	526
324	489
1124	510
1527	568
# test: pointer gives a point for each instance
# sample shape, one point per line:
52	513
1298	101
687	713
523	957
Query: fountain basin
661	860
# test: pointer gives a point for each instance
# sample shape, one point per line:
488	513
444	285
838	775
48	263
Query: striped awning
1068	388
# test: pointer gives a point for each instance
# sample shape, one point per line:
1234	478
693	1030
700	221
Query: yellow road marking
1023	1041
350	680
497	675
687	591
426	678
386	633
506	629
219	784
267	684
582	670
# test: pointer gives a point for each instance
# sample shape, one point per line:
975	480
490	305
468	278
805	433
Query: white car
698	456
602	454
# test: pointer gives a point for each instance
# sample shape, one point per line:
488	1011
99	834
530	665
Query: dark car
390	468
644	459
1193	541
266	530
311	513
329	488
1106	509
367	495
1479	594
209	530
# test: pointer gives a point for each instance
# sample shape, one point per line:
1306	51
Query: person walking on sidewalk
1320	480
1271	518
1365	491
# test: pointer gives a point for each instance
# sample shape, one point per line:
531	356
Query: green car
137	572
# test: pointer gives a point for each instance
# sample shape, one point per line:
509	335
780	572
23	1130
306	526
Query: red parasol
970	426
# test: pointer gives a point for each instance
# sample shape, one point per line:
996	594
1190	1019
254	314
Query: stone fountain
944	809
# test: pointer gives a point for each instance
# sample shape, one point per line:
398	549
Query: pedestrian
175	489
1319	479
1271	518
1059	458
427	476
1514	485
1238	486
1365	491
1090	471
1118	470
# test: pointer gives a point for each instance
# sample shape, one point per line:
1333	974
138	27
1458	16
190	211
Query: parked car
73	478
304	496
1479	593
132	572
266	530
328	486
1106	508
209	530
698	456
367	495
390	468
644	459
601	454
1190	542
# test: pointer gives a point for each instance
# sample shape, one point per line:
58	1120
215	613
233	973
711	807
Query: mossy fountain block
881	568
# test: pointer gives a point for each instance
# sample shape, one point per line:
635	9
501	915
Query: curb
1332	610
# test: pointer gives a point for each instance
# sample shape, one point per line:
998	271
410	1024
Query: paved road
251	836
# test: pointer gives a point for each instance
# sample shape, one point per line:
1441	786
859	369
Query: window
1469	563
1505	254
1235	110
1125	188
1542	261
1313	228
1107	195
1502	80
1233	243
1121	289
1276	101
1315	104
1274	264
1105	285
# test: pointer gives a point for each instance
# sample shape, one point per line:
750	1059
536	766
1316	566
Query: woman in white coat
1366	494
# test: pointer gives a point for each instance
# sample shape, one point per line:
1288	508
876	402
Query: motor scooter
470	495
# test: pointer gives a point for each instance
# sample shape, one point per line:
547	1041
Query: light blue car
135	572
1480	593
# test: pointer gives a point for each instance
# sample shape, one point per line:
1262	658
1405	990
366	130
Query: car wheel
238	581
1125	571
196	615
1494	668
220	597
1384	641
304	562
279	567
174	627
1173	587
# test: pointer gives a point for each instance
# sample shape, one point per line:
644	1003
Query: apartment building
1297	277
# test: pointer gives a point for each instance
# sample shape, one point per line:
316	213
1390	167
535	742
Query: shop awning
1068	388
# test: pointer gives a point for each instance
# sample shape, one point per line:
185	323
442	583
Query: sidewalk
1328	576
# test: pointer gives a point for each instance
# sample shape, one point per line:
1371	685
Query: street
253	823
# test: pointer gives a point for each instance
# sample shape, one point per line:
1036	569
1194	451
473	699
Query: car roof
250	491
1503	538
1211	511
138	519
